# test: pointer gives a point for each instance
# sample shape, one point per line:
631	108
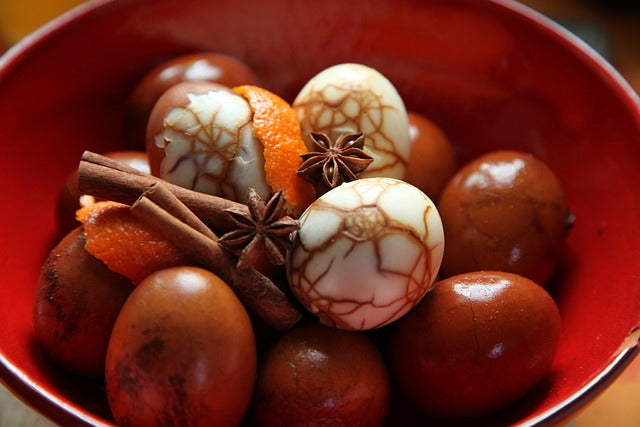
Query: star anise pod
265	229
333	162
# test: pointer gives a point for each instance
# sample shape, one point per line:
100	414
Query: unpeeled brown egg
354	98
203	66
366	253
505	211
475	344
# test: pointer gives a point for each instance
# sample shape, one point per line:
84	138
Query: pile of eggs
460	330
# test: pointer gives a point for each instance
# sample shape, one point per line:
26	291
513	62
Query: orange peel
124	243
276	125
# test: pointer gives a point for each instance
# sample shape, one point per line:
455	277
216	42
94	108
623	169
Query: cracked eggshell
200	136
354	98
366	253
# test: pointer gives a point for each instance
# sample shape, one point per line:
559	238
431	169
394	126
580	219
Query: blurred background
611	27
20	17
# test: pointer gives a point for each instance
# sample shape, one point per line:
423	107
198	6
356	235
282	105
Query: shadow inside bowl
88	394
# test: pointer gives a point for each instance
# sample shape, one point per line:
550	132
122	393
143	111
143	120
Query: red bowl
491	73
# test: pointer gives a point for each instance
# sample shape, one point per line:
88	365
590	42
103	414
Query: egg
505	211
366	253
200	136
182	352
433	160
317	375
77	302
202	66
354	98
476	343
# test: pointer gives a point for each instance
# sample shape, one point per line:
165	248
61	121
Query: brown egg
182	352
317	375
504	211
433	160
212	67
69	199
476	343
77	301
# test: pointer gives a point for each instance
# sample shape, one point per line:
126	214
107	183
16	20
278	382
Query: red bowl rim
571	404
58	410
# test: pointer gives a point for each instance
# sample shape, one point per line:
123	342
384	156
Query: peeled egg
200	136
366	253
355	98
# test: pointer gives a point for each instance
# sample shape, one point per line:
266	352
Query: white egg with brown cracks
200	136
354	98
366	253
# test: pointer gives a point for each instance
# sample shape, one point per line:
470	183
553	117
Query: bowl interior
492	74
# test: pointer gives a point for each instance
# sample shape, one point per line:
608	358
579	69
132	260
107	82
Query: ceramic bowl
491	73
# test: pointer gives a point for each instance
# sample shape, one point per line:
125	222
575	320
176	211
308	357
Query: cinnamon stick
256	291
161	196
108	179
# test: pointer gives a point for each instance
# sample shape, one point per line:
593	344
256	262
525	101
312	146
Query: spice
185	217
264	229
173	220
334	162
108	179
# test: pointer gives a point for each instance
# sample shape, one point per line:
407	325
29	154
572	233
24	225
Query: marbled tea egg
354	98
366	253
200	136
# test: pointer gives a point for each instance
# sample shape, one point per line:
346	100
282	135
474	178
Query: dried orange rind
125	244
276	125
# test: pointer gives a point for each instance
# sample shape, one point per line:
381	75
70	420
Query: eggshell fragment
354	98
366	253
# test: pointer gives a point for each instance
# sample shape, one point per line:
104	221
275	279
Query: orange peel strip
125	244
276	125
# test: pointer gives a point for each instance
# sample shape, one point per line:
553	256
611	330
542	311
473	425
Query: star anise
333	162
265	229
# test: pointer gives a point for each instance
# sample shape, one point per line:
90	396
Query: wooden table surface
613	27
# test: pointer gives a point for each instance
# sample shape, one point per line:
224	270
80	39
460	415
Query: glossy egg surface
476	343
493	75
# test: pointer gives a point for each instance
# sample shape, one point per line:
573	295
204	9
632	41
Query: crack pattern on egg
354	98
366	253
210	147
